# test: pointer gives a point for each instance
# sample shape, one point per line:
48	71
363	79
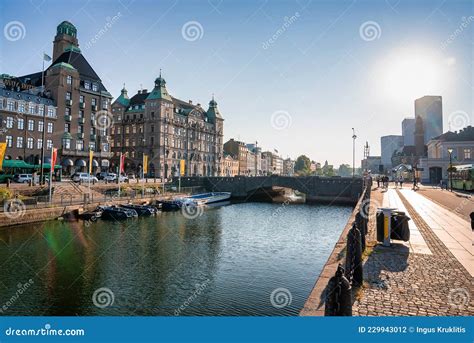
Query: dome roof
67	28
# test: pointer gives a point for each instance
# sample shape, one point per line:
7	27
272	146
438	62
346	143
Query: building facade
81	101
230	167
238	150
167	130
408	131
372	164
435	165
430	109
24	114
289	167
389	144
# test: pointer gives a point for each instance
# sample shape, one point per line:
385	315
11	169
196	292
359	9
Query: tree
345	170
303	165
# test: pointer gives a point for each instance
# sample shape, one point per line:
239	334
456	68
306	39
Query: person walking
401	182
378	181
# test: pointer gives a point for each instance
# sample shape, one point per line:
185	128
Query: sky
295	76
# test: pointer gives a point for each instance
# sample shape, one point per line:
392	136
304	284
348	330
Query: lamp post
450	151
353	152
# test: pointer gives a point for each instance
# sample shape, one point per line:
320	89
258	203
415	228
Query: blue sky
300	92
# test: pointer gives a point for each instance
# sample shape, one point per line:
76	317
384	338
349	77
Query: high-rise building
408	131
389	144
167	130
430	109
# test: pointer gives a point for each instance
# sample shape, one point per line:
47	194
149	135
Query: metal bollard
338	295
387	225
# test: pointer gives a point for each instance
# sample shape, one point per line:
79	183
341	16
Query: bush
5	194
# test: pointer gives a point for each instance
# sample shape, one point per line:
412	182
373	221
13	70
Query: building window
66	143
21	123
41	110
21	107
9	141
50	128
80	129
104	104
467	154
31	108
81	114
67	127
93	101
19	142
87	85
92	146
69	79
51	112
39	143
29	143
49	143
31	124
9	122
68	95
95	87
40	126
10	105
79	145
81	99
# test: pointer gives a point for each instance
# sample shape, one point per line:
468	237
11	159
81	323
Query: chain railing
340	287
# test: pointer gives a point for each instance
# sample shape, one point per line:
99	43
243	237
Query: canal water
240	259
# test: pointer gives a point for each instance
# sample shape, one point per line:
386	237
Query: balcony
93	137
80	136
67	118
81	120
82	105
69	102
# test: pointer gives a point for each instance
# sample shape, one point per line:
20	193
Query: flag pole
118	174
43	130
51	166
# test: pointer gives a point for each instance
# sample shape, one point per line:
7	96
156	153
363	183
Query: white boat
209	198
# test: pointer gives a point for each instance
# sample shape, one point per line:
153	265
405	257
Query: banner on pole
122	163
54	157
145	164
3	149
182	166
91	156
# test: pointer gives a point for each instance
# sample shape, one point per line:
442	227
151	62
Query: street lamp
450	151
353	151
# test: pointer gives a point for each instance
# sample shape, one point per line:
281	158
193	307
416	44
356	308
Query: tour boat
142	210
117	213
209	198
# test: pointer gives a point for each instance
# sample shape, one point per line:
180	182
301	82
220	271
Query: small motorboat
209	198
177	204
91	215
142	210
118	213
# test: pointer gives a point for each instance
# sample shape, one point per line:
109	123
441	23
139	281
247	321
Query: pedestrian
378	181
472	220
401	182
441	184
396	182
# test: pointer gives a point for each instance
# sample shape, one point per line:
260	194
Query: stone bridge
316	188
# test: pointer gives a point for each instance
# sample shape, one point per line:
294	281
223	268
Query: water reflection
225	262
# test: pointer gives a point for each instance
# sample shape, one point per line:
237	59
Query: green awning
23	164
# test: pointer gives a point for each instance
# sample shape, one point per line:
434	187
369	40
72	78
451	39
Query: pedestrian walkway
416	244
452	230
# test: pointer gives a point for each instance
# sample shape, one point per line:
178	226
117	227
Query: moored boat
211	197
177	204
117	213
142	210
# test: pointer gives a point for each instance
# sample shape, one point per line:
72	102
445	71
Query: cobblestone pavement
400	283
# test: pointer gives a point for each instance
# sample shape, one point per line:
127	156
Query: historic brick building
82	103
168	130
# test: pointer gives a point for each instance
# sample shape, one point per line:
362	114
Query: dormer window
87	85
95	87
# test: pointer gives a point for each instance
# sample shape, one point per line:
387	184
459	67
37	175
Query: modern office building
408	131
167	130
430	109
389	144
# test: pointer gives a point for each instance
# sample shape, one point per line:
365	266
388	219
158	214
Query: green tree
302	165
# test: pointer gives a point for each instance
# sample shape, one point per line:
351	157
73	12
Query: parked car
113	177
101	175
84	177
24	178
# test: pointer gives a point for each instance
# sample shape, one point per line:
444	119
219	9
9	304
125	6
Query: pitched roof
466	134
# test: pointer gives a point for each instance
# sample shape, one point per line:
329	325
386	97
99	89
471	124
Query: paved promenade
430	275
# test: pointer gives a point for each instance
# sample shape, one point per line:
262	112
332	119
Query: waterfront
227	261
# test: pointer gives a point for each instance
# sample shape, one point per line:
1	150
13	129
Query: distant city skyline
293	76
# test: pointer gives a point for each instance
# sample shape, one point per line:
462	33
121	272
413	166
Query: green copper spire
123	98
160	91
213	111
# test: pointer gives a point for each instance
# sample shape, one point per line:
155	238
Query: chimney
139	91
191	102
144	91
